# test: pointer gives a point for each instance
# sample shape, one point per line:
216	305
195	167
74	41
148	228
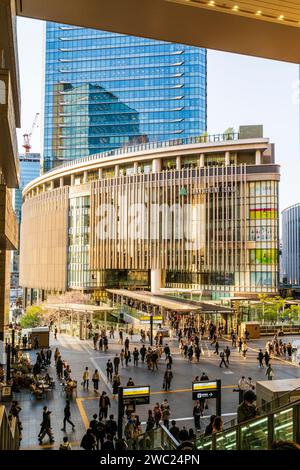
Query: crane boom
27	136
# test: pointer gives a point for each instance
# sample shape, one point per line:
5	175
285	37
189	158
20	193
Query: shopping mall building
198	213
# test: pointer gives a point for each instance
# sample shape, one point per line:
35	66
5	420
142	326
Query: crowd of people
102	431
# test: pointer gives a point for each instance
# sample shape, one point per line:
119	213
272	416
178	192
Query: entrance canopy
80	309
180	306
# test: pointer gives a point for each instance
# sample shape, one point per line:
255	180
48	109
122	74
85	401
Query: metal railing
151	146
278	420
158	439
9	431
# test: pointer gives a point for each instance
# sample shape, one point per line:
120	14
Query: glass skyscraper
106	90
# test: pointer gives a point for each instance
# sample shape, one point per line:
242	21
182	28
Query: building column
85	177
135	168
157	279
61	181
258	157
201	160
227	158
51	185
178	163
156	165
100	173
117	170
72	180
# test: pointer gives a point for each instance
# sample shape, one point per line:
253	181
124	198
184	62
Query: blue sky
241	90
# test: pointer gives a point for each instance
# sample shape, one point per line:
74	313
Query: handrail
264	409
152	145
201	440
161	436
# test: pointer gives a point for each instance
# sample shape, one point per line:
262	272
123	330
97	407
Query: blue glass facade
106	90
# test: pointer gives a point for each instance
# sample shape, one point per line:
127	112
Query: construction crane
27	137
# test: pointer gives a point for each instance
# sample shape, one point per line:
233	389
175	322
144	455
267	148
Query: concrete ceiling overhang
214	25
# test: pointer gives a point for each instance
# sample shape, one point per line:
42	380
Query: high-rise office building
29	170
290	263
106	90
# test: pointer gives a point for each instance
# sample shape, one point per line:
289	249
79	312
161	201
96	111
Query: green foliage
32	317
229	133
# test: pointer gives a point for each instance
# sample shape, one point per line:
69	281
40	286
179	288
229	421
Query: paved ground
80	354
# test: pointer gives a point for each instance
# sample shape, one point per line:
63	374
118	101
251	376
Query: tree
33	317
229	133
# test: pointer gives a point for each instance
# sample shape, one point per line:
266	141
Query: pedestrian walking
120	340
101	344
222	356
197	353
242	387
104	404
46	426
244	349
126	343
109	370
150	421
240	343
267	358
165	412
55	333
169	361
167	350
197	412
270	372
116	382
88	441
111	426
143	351
116	363
227	354
136	355
216	348
95	380
85	378
67	417
260	358
127	357
48	356
168	376
98	429
122	355
157	414
59	367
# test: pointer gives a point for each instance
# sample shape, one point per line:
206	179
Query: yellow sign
197	386
147	318
136	391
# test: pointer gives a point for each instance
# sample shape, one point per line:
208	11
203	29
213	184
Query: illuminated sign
146	319
140	395
207	389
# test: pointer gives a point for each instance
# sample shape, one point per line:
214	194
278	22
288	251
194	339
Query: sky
241	90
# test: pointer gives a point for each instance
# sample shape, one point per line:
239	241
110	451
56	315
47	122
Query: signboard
140	395
207	389
130	397
145	319
6	393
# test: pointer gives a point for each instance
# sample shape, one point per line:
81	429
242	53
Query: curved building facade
291	245
197	213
